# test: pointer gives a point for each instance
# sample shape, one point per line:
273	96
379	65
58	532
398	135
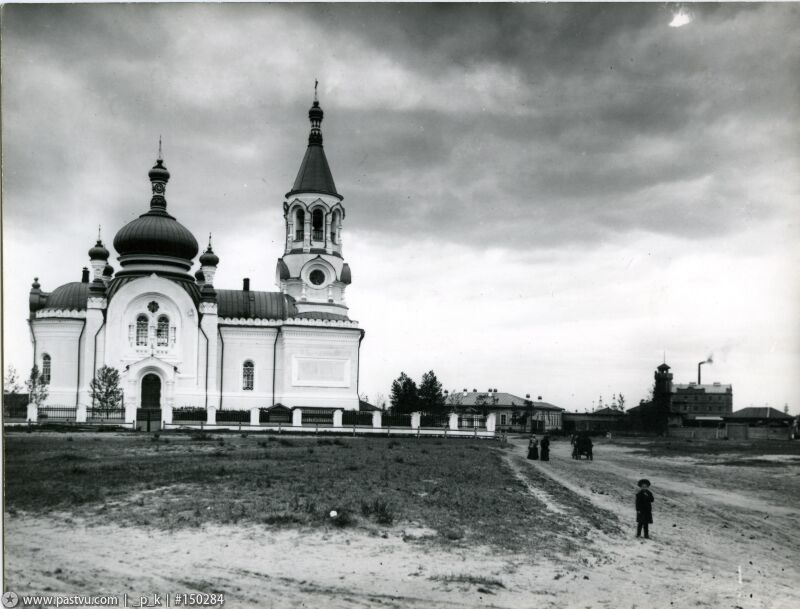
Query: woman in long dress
533	449
546	448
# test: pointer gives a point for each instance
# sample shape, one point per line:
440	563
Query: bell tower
312	269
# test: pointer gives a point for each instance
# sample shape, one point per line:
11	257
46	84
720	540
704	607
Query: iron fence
396	420
357	418
317	416
240	417
434	420
274	415
470	421
189	414
105	414
56	413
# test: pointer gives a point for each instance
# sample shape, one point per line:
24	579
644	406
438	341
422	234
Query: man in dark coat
546	448
644	508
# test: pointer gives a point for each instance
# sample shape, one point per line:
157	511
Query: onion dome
98	252
208	293
108	270
208	257
37	298
35	285
155	239
315	174
346	278
200	276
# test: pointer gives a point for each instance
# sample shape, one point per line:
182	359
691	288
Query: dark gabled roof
608	411
321	315
315	174
759	412
251	304
71	296
366	406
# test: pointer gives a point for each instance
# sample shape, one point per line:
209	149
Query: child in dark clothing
644	508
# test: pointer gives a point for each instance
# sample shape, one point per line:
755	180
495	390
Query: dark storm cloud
564	121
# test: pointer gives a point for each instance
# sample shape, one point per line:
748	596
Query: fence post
454	420
254	416
80	413
33	412
376	419
211	416
491	422
337	418
166	413
297	417
415	420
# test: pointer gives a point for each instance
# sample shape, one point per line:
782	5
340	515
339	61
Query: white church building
179	340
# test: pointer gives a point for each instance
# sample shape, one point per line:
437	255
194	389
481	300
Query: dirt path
709	550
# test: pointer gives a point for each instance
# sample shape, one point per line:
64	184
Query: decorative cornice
97	302
74	313
292	321
208	308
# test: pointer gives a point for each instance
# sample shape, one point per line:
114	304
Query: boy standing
644	508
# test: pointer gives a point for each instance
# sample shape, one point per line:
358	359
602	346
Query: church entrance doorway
148	416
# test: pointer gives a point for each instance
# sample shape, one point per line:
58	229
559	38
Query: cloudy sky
540	198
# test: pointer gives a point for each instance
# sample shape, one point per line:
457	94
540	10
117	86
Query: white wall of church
239	345
319	368
59	338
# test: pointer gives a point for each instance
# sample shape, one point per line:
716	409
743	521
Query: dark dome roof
156	233
159	172
200	276
209	258
98	252
347	277
108	270
250	304
71	295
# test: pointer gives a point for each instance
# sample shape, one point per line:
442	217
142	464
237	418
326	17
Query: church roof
759	412
250	304
315	173
70	296
503	399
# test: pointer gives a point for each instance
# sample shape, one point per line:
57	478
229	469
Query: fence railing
241	417
104	414
396	420
56	413
434	420
269	415
189	414
357	418
472	421
318	416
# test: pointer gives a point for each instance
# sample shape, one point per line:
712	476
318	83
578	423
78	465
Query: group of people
533	448
644	497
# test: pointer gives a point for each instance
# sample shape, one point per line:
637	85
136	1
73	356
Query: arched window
248	372
141	330
46	368
335	227
318	225
299	224
162	331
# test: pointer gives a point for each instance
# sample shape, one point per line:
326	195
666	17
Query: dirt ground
724	536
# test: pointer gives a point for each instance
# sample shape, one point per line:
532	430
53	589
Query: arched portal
151	392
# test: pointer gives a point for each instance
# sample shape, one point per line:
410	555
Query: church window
299	224
248	373
46	368
141	330
317	225
162	331
317	277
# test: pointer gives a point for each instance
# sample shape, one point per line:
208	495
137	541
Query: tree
105	390
11	384
404	396
621	403
786	409
431	397
37	387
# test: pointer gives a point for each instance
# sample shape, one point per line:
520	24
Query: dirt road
723	538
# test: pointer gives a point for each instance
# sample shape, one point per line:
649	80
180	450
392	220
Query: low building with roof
512	412
180	340
601	420
759	423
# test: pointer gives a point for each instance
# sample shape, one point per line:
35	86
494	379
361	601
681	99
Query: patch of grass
379	510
